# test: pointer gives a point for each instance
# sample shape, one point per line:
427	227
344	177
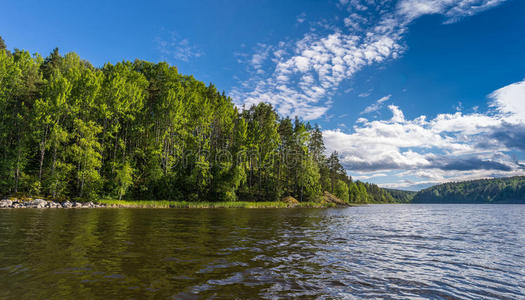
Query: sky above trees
409	92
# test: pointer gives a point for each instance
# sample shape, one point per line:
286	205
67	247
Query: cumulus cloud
303	76
510	135
472	163
447	147
510	100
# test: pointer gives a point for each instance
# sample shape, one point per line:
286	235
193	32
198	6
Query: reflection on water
395	251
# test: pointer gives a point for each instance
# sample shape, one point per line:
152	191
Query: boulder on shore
330	198
52	204
38	203
290	200
6	203
77	204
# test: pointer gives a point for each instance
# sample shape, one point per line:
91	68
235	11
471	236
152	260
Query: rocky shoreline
41	203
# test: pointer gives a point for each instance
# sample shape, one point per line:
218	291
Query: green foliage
142	130
341	190
124	179
498	190
86	156
401	196
203	204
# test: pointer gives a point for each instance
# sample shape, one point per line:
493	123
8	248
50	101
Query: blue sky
409	92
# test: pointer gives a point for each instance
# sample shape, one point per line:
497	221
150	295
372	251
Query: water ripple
377	251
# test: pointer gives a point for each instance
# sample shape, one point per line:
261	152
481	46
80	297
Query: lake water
388	251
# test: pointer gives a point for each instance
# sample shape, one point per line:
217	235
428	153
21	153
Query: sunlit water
386	251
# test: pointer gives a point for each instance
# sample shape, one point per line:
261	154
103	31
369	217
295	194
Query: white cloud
369	176
384	99
510	100
397	114
447	147
376	106
413	9
452	9
305	75
435	176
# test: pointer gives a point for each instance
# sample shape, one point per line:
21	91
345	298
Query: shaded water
388	251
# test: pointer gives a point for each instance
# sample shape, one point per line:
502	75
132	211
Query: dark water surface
385	251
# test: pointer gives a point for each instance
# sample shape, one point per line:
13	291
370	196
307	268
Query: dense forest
498	190
141	130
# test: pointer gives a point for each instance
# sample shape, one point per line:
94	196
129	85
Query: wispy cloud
171	46
301	18
454	10
377	105
303	76
369	176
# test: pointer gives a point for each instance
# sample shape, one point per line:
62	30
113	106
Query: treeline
363	192
401	196
141	130
498	190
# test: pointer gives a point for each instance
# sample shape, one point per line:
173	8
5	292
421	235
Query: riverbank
235	204
41	203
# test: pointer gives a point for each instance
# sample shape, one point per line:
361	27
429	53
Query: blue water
377	251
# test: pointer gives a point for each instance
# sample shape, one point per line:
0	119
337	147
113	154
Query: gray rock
6	203
77	204
28	204
51	204
39	203
55	205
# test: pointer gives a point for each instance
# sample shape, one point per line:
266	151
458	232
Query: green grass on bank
185	204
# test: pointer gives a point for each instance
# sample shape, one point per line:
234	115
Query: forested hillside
141	130
499	190
401	196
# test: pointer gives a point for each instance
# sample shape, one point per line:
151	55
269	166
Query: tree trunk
17	170
42	154
54	190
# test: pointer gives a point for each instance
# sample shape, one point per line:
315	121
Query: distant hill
498	190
